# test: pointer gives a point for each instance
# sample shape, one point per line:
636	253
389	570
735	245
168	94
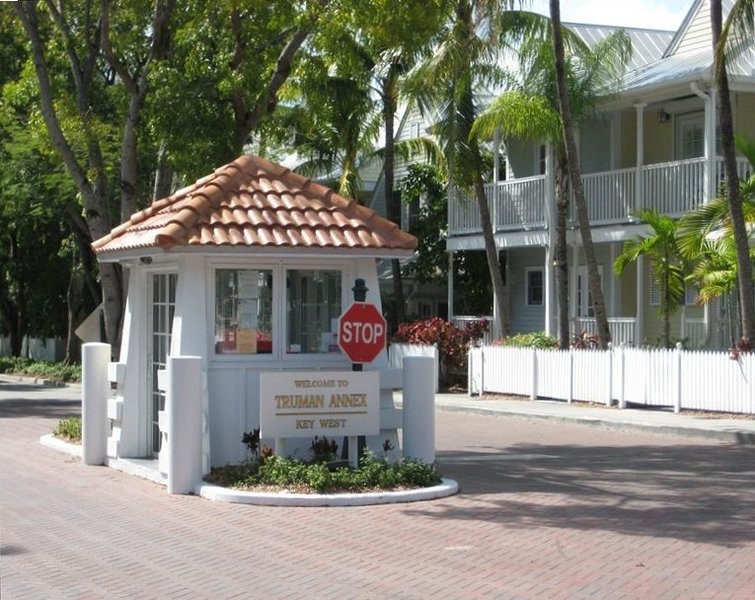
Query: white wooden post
183	405
95	390
609	358
571	375
419	409
622	380
678	377
533	388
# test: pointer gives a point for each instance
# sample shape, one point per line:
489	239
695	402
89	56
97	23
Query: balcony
671	188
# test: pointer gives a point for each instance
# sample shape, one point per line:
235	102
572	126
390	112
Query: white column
640	129
95	390
639	324
496	158
573	287
183	405
549	273
615	284
134	434
451	285
419	409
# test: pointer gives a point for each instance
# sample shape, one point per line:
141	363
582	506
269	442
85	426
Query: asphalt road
546	510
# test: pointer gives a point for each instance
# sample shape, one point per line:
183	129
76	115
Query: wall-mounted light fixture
663	116
146	260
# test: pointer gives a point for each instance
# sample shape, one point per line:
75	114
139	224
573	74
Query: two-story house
652	146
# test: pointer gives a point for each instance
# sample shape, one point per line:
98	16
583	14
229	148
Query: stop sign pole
354	446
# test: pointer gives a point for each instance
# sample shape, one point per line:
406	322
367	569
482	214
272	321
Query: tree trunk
94	192
562	253
744	265
491	250
393	207
575	177
163	175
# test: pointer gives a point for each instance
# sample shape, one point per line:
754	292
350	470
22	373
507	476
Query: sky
650	14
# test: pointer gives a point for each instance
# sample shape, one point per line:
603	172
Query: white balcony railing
671	188
621	328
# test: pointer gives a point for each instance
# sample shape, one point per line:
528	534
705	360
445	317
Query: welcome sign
324	403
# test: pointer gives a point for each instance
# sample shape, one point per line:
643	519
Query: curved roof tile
256	203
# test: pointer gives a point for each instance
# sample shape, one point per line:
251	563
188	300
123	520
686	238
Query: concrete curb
220	494
448	487
51	441
736	436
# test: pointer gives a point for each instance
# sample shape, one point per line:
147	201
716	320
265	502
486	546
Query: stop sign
362	332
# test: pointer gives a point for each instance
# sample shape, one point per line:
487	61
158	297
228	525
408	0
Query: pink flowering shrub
452	342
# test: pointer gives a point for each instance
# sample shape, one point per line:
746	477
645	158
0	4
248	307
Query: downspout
709	173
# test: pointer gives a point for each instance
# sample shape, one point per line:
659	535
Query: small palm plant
662	250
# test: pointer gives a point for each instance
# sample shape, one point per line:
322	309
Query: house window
313	305
690	294
243	311
534	280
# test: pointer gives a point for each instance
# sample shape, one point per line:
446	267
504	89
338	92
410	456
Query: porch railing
671	188
621	328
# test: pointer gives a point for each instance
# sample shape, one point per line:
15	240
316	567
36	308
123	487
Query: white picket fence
696	380
397	353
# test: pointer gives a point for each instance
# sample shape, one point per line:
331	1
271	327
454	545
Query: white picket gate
676	378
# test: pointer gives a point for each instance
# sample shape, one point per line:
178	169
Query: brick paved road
546	511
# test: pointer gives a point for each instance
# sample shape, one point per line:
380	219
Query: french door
163	301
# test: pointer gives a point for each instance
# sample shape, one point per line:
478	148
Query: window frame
279	312
527	272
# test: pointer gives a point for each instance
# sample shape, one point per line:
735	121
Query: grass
40	369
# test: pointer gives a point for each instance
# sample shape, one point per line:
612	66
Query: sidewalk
739	430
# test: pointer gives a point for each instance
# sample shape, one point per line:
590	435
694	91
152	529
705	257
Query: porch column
496	158
710	176
639	323
549	274
615	284
640	130
450	286
573	288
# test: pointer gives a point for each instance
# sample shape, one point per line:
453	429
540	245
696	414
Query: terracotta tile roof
253	202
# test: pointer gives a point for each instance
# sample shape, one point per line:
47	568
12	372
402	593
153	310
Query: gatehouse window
313	305
243	311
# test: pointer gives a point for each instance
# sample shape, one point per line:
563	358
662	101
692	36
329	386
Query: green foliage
535	339
323	450
452	342
40	369
424	187
69	429
373	473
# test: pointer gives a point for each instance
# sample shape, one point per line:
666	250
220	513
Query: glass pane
313	301
243	311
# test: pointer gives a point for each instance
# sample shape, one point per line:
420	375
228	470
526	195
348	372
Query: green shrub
535	339
69	429
41	369
373	473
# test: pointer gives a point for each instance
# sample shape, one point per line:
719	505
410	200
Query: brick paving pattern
546	510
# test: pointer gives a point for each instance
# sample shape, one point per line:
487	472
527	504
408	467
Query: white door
690	135
584	298
163	301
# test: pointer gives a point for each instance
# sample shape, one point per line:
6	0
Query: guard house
249	269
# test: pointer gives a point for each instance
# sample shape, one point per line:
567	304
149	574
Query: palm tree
575	178
448	85
738	29
662	249
706	239
529	110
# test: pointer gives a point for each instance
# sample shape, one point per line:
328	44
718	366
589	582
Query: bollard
183	405
95	390
419	409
